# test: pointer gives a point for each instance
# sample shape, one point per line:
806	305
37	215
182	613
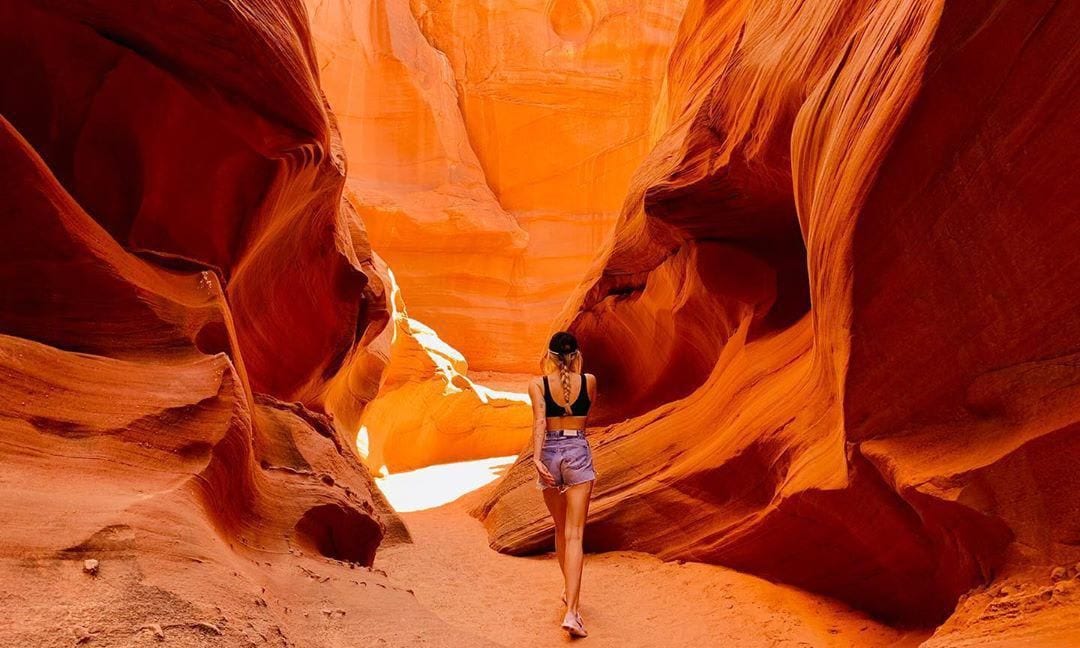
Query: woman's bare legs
556	505
577	509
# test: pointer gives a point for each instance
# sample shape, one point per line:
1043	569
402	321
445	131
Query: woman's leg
577	509
556	505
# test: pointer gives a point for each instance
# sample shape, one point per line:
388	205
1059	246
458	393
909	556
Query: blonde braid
564	375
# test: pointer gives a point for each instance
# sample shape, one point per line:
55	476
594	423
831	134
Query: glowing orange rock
850	240
416	182
137	365
258	199
413	176
178	264
489	185
428	411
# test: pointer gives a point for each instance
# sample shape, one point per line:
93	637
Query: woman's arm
539	427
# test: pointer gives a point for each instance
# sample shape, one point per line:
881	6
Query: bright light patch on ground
433	486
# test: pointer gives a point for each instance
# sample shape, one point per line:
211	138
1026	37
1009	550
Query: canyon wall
427	410
836	327
490	147
186	303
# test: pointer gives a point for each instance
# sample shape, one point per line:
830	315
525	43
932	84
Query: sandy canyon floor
445	589
629	599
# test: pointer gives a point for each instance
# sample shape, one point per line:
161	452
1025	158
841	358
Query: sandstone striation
835	329
413	175
185	301
836	323
428	411
258	198
498	168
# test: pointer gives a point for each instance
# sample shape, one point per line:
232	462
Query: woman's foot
573	625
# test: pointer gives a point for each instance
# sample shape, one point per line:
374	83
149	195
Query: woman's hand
545	475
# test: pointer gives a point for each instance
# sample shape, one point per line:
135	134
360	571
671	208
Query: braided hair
563	349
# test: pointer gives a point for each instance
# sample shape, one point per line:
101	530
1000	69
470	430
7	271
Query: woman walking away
561	399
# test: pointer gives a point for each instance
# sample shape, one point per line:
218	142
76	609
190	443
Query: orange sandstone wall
428	411
184	298
259	199
836	326
490	147
413	175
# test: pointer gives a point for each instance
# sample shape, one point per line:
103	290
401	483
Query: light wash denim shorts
568	458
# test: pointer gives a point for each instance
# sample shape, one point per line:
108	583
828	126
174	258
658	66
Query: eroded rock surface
184	299
428	411
840	307
498	168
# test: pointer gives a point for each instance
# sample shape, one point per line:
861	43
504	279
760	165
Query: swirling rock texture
413	175
836	328
184	301
428	411
498	167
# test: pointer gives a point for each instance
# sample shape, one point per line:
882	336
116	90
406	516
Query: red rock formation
471	271
428	411
413	176
901	166
178	265
1028	607
136	365
129	100
498	169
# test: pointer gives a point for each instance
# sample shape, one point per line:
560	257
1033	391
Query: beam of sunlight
433	486
487	394
363	442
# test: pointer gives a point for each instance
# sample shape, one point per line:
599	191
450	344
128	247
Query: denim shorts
569	459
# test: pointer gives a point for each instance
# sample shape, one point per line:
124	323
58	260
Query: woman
561	399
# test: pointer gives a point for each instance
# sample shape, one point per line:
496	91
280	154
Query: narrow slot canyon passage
276	277
630	598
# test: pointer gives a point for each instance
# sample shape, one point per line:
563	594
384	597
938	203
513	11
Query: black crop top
579	407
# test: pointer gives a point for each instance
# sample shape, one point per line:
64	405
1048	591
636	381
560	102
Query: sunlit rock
496	171
837	308
428	411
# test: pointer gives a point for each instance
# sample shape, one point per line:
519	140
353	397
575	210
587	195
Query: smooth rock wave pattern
836	327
